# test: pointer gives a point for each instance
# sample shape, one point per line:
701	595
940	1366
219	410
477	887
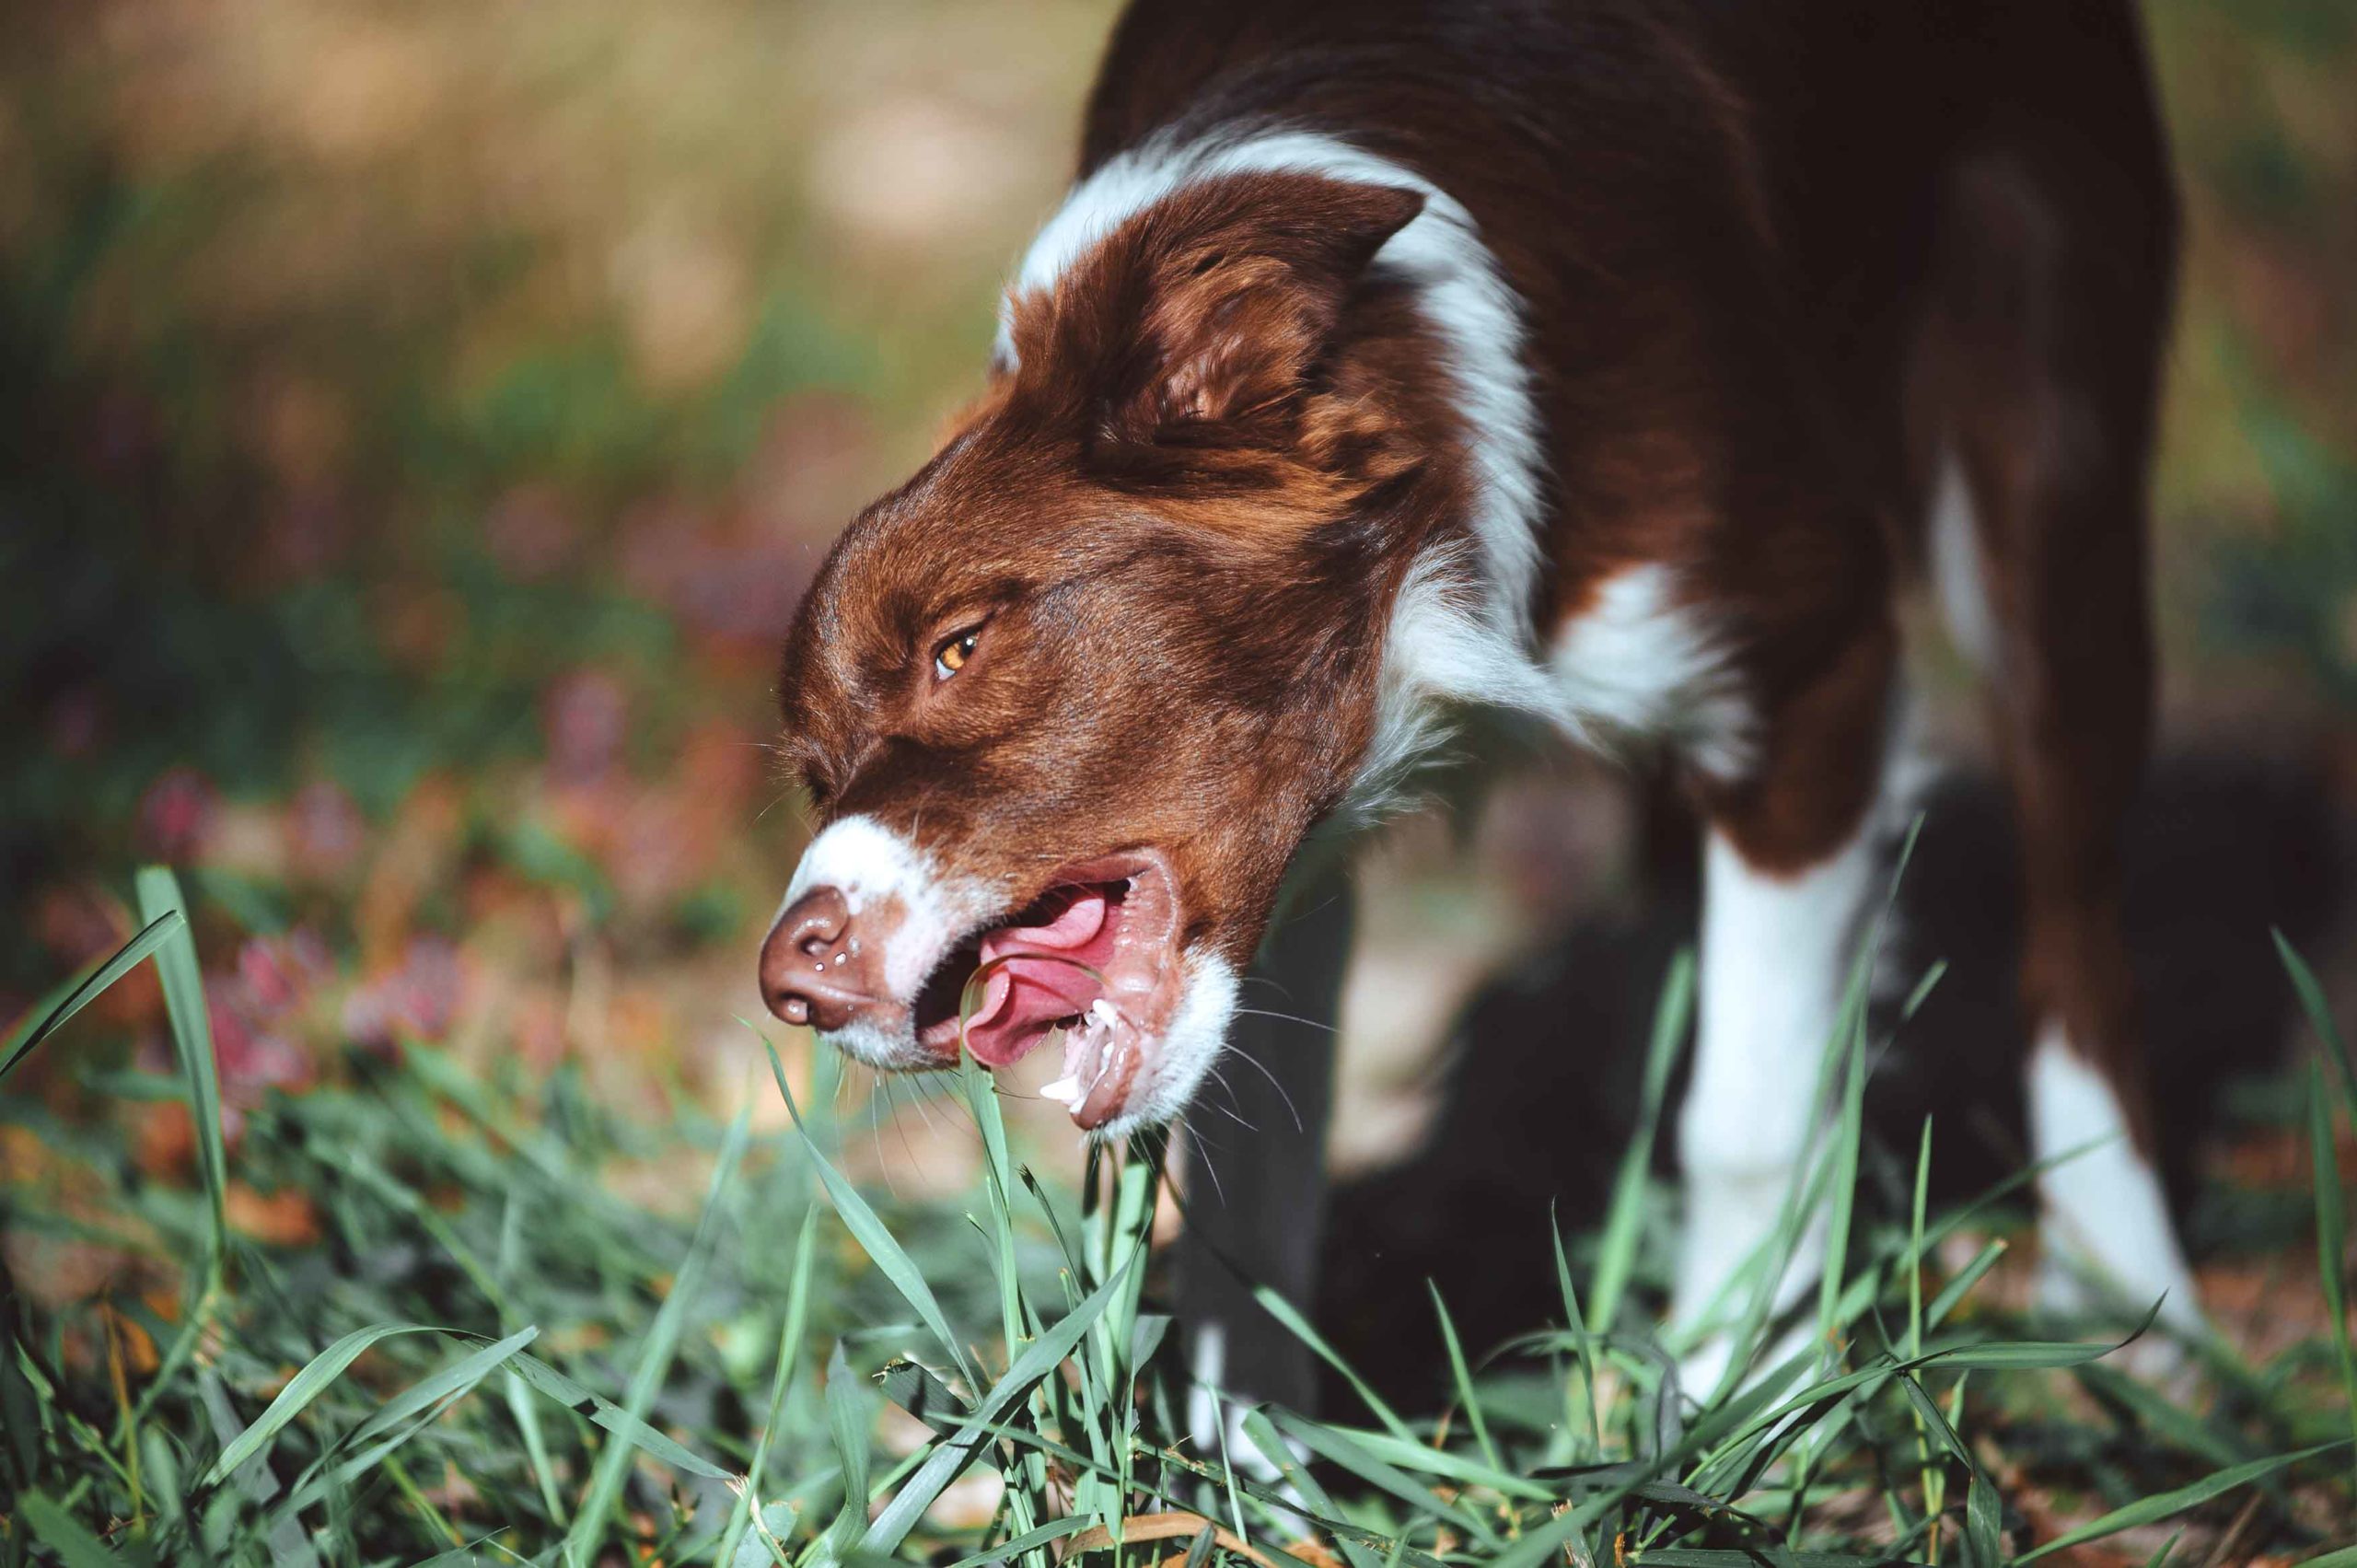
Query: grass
473	1349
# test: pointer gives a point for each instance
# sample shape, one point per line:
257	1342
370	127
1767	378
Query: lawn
410	1315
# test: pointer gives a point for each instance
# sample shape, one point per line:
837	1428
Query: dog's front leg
1254	1174
1792	861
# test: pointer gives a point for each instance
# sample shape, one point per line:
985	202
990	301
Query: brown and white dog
1613	361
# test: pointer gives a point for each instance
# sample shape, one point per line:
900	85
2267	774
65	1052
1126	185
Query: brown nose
815	970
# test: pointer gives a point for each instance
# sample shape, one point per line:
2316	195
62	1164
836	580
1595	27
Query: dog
1616	363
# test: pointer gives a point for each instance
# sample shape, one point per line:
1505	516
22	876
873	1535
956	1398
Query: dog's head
1067	702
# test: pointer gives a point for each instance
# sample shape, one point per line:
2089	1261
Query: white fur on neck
1638	662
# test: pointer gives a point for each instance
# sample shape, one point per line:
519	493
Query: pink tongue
1024	997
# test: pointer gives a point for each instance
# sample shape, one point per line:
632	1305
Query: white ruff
1640	663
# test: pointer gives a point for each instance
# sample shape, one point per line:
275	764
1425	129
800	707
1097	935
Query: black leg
1255	1163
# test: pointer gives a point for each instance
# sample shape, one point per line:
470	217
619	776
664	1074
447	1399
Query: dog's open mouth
1095	955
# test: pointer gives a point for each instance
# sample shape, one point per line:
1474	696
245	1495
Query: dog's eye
951	656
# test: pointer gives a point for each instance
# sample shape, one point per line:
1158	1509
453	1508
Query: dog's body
1612	361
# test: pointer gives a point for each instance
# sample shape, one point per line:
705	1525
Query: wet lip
1094	949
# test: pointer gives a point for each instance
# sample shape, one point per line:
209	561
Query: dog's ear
1243	303
1202	323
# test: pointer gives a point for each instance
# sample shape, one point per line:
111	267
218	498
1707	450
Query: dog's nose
815	970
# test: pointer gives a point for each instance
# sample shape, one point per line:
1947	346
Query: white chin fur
890	1051
1175	1066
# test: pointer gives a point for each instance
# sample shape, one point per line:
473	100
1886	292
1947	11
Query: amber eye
951	656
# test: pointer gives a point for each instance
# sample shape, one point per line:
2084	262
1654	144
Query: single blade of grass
1574	1324
2332	1235
1915	1243
1617	1253
301	1389
1983	1524
1464	1393
1277	1307
1054	1530
588	1536
2153	1510
614	1418
847	1420
874	1237
175	964
2311	994
51	1013
1848	1132
789	1355
1442	1462
63	1534
191	1030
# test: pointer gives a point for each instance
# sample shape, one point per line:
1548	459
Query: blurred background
419	421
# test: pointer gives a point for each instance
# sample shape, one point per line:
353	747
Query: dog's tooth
1064	1091
1101	1011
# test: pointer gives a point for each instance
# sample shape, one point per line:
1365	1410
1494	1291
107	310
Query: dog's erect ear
1202	322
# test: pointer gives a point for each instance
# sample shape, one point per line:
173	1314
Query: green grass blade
2153	1510
1297	1475
1337	1447
588	1536
2332	1235
1849	1132
950	1459
175	964
53	1011
614	1418
870	1232
1617	1254
415	1405
1575	1324
1465	1392
301	1389
2311	994
1054	1530
1983	1524
1915	1243
789	1355
63	1534
1277	1307
847	1423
